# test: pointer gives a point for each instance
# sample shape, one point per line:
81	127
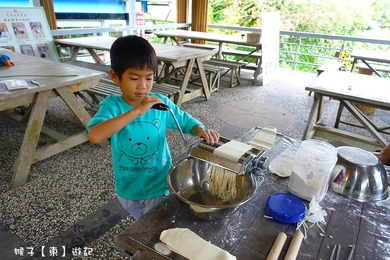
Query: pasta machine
251	160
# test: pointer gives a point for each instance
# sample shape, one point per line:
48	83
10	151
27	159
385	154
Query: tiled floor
69	200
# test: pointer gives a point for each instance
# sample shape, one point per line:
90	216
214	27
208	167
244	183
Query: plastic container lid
286	208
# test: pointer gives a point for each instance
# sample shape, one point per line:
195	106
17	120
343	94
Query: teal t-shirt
140	152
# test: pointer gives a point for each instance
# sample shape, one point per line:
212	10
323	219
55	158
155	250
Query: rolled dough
188	244
232	150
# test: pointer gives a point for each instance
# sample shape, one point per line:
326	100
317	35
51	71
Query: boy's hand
209	135
146	103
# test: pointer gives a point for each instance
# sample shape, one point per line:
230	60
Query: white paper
15	84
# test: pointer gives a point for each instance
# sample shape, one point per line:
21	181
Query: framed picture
25	30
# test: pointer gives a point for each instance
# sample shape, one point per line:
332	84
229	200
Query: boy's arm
384	155
108	128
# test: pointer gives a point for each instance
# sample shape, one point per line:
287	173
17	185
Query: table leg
365	123
220	46
24	160
353	64
203	78
371	68
95	57
320	105
75	52
175	40
340	110
309	126
186	79
74	104
79	111
257	71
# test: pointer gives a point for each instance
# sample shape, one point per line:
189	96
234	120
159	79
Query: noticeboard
25	30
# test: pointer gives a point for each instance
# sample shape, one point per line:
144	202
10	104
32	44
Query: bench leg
214	81
235	73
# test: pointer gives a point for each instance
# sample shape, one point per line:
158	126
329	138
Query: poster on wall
25	30
270	45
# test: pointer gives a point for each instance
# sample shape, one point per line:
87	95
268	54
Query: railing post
297	52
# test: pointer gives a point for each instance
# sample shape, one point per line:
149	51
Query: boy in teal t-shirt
140	152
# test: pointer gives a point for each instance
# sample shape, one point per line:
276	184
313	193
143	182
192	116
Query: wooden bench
213	75
329	65
255	56
364	69
106	86
200	46
233	66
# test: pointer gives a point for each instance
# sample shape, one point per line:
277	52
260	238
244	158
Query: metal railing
298	50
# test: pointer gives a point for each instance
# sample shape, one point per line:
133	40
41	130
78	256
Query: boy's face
135	84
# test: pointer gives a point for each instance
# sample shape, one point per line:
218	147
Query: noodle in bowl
193	182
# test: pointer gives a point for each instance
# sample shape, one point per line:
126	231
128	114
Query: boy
140	152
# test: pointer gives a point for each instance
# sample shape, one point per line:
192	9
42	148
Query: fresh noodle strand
222	183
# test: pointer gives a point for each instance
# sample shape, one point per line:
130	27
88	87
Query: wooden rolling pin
277	246
296	241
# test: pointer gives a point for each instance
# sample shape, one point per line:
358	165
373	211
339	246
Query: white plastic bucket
312	169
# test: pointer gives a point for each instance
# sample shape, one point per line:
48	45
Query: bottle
312	168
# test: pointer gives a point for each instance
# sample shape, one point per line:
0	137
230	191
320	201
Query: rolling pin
296	241
277	246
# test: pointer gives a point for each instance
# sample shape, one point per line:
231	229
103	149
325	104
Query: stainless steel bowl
359	175
185	181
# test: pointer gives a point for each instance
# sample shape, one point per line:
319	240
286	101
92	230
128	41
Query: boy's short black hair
132	52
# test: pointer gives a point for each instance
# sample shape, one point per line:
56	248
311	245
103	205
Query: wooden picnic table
369	56
174	58
55	79
349	89
221	39
248	234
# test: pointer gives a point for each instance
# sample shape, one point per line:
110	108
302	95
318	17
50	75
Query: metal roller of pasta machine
252	159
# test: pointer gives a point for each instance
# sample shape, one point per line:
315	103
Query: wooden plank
241	53
368	125
16	102
49	134
74	105
200	46
225	63
52	149
339	230
376	67
349	138
375	241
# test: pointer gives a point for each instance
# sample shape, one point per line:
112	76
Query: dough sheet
188	244
264	139
232	150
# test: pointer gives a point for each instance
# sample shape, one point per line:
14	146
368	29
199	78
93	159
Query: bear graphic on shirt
139	148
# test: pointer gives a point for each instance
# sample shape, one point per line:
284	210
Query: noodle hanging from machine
222	183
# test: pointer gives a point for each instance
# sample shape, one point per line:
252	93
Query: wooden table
247	234
173	57
221	39
368	56
349	88
56	79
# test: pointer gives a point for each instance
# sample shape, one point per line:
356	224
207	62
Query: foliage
361	18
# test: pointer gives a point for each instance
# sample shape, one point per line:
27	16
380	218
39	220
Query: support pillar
199	17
